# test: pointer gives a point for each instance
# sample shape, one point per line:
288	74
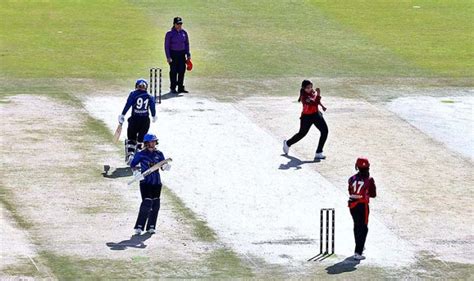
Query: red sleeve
372	188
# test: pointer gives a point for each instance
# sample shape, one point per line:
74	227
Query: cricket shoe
182	91
137	231
286	148
151	231
319	156
358	257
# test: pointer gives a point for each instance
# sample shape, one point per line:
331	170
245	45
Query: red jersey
310	102
360	190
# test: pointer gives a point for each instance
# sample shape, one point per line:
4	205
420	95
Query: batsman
139	122
150	185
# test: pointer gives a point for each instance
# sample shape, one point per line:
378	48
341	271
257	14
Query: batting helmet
141	83
149	138
362	163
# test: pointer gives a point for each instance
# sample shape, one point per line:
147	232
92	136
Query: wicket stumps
155	83
326	233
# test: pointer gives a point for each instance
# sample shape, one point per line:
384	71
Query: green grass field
239	39
66	48
436	36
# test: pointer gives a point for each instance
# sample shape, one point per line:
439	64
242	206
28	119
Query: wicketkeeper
361	188
139	123
150	186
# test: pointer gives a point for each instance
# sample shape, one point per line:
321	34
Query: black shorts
138	127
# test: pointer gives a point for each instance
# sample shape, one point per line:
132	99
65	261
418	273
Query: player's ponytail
364	172
304	84
301	94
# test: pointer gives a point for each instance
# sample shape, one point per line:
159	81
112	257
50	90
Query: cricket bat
150	170
117	133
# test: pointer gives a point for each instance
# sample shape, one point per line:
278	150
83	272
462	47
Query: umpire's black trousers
177	69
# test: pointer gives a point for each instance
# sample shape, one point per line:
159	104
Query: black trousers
305	124
360	216
177	69
137	127
148	213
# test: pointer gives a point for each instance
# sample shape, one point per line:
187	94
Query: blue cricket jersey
140	101
147	159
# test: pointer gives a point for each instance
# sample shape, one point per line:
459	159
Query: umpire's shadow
136	241
293	163
170	96
114	173
347	265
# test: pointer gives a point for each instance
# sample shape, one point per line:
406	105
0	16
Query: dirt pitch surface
422	185
54	174
229	170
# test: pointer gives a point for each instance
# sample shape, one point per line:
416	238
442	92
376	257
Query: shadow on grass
114	173
347	265
136	241
294	163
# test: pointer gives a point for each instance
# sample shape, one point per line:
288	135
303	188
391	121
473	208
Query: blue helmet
141	83
149	138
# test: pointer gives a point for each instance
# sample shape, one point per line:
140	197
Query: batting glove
121	119
155	118
136	173
166	167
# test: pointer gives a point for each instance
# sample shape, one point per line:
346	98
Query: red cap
189	65
362	163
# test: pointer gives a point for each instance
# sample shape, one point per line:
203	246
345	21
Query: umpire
177	52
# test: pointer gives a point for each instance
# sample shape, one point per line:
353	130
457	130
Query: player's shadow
347	265
116	173
136	241
171	96
293	163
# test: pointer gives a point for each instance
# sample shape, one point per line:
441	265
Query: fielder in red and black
361	189
311	115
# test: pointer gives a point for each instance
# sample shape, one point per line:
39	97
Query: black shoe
182	91
173	91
